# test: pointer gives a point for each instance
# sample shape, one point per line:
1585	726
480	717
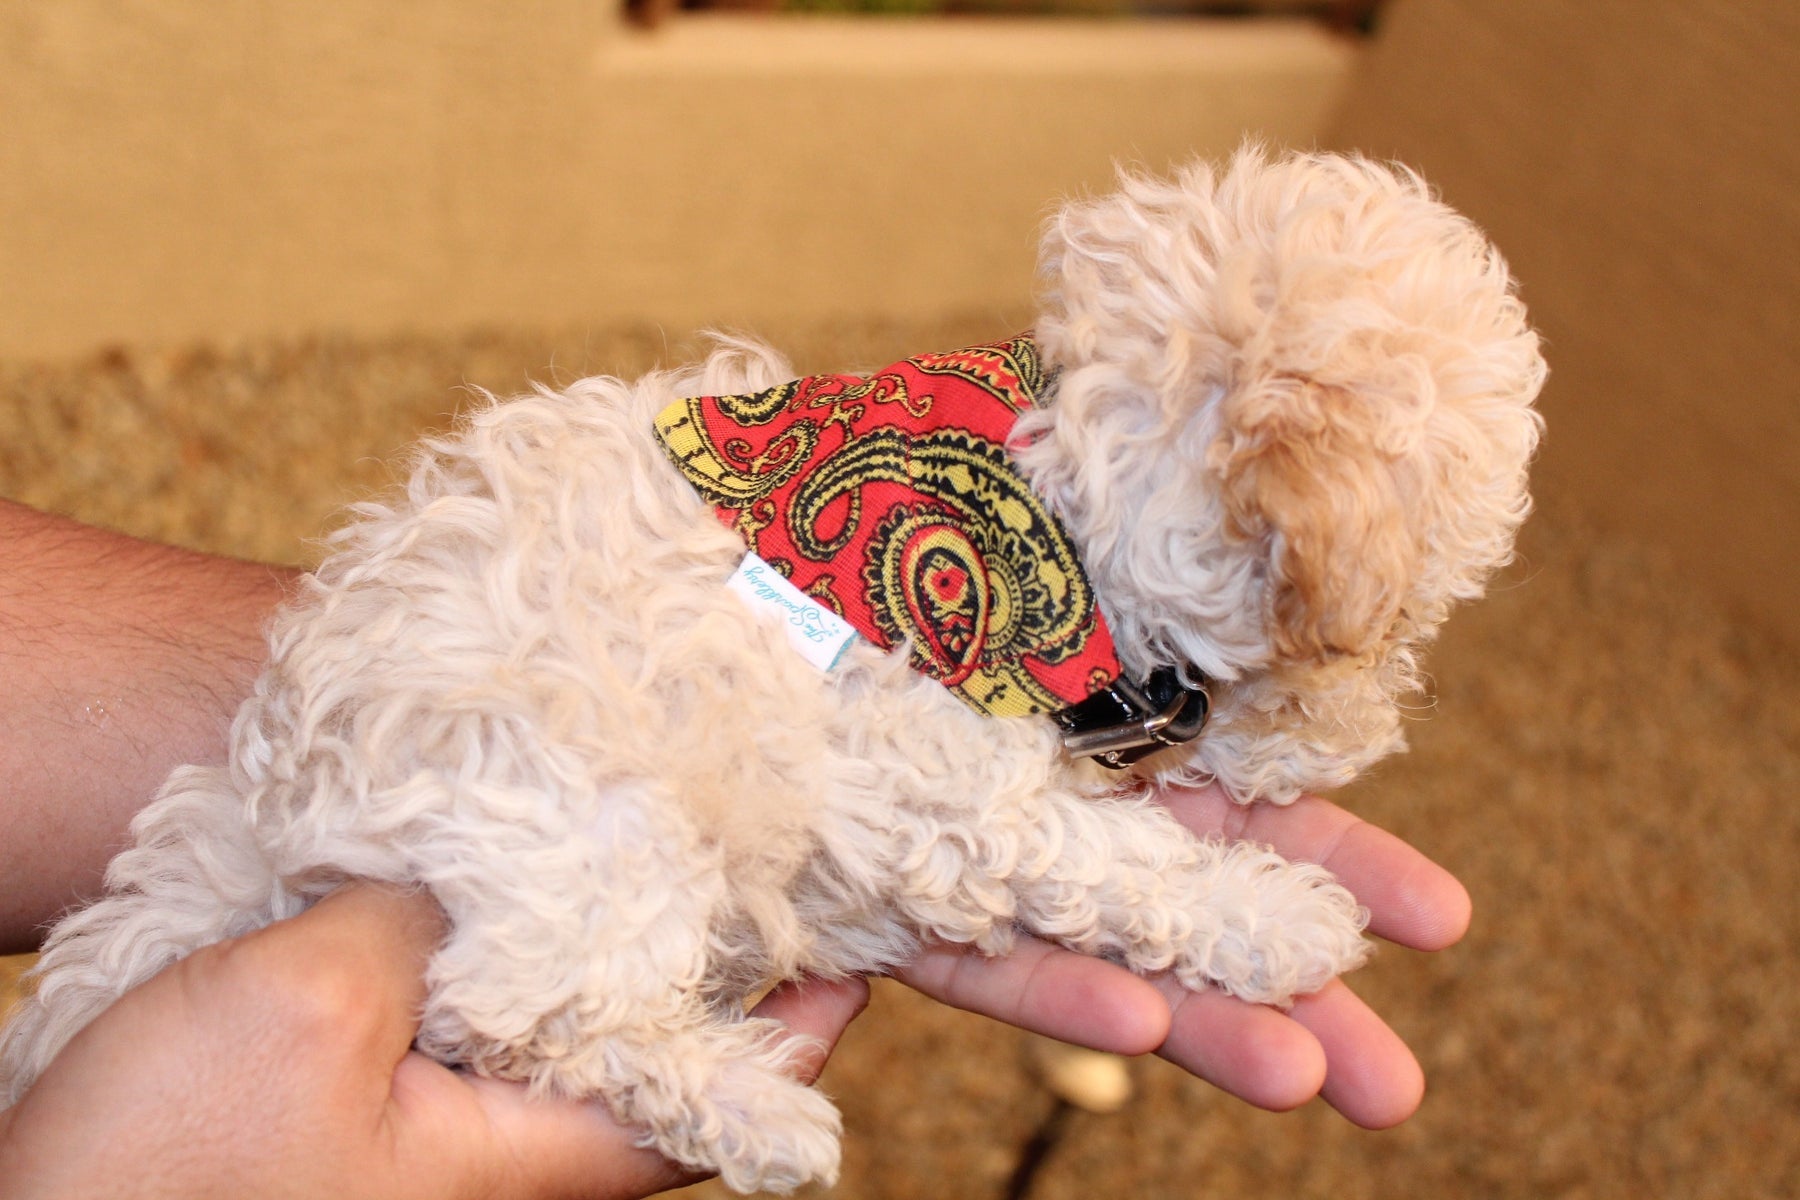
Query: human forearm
119	659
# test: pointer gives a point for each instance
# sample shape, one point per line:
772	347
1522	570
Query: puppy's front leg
1133	884
1120	878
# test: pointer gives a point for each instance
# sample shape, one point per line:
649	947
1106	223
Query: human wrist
123	658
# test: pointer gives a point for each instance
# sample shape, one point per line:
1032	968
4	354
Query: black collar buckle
1128	721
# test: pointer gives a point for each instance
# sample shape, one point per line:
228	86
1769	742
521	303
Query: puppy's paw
727	1101
783	1137
1271	930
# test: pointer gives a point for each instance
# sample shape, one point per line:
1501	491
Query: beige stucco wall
1640	163
172	171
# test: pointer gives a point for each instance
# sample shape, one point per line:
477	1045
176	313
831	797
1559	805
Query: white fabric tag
820	635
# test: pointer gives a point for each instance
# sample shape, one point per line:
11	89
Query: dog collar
891	500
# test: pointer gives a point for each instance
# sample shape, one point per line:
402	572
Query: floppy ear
1302	472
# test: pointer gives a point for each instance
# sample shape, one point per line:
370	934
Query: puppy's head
1291	430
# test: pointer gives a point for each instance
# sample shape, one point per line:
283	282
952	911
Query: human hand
279	1064
1329	1044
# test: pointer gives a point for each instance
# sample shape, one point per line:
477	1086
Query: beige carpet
1611	765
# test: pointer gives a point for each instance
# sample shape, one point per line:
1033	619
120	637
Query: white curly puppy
1282	415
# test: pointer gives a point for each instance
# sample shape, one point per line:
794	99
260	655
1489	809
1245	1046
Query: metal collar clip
1127	721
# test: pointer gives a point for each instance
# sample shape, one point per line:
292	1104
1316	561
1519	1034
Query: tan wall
173	171
1640	163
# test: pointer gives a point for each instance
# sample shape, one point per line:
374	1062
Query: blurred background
248	252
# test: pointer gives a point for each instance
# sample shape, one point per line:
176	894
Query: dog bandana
891	501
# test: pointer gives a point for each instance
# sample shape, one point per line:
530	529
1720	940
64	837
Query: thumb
818	1010
356	962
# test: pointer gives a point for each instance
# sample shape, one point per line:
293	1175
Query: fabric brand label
820	635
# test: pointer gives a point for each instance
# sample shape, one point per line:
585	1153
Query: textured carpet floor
1610	764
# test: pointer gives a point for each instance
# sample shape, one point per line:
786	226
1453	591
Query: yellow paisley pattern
962	562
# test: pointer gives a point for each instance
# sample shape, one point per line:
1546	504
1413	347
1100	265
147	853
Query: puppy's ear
1303	473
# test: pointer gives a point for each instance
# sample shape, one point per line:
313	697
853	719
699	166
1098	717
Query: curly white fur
1342	377
1291	430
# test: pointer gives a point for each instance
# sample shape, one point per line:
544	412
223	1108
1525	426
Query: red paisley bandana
892	501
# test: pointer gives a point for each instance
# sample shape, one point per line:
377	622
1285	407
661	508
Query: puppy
668	689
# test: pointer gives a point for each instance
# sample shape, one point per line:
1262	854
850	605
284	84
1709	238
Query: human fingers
1047	990
1411	900
1260	1055
1329	1044
1370	1077
268	1057
353	966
